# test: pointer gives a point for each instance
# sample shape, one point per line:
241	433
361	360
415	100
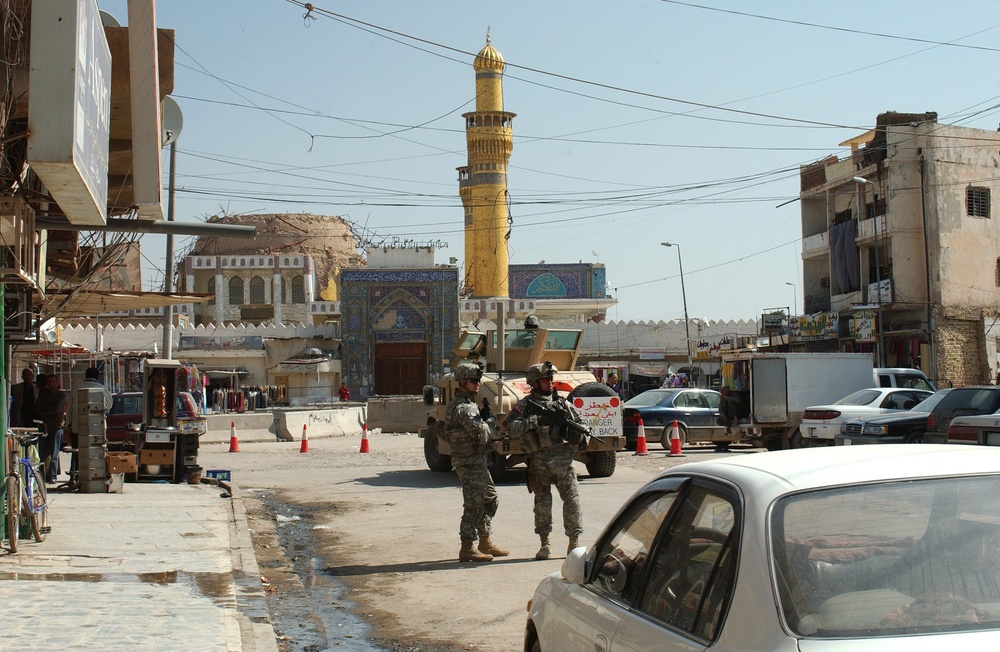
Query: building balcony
870	228
842	302
816	245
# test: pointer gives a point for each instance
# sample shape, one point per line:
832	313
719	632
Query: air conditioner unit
20	317
824	282
17	249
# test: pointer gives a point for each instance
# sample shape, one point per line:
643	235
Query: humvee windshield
555	340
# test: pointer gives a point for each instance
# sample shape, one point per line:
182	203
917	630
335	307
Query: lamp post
861	181
687	331
795	298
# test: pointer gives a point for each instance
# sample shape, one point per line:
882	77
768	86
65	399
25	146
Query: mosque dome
488	58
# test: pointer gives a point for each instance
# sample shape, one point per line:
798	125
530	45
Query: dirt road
388	527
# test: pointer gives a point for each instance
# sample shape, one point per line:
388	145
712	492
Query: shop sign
863	326
234	343
819	326
773	321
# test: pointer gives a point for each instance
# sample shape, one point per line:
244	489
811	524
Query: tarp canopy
88	303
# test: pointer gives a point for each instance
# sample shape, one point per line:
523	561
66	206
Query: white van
902	377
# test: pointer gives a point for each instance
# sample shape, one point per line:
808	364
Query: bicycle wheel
12	509
38	508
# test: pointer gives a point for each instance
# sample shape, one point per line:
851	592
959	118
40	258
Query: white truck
776	388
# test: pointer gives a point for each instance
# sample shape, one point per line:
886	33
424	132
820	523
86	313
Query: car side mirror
574	567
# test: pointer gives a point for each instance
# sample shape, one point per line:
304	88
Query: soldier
470	437
540	420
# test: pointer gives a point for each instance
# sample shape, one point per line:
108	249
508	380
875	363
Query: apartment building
900	242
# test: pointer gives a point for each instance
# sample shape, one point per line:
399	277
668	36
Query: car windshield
889	559
930	402
860	397
652	397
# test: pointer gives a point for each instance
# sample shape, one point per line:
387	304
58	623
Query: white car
821	423
860	548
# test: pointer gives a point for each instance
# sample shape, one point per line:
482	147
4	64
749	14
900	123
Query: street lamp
687	331
861	181
795	298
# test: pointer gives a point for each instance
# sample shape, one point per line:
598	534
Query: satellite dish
108	20
172	120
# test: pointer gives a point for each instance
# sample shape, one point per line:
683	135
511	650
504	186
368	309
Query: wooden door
400	368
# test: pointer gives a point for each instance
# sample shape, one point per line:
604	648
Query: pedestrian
51	409
470	437
613	383
539	421
23	397
344	393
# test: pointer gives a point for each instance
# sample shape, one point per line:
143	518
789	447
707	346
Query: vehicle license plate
993	439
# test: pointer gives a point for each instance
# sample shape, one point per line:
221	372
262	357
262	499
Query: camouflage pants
479	500
550	466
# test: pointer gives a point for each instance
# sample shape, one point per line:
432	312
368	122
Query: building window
235	291
257	290
284	295
298	290
977	201
211	290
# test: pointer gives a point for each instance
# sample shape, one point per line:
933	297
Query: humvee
504	384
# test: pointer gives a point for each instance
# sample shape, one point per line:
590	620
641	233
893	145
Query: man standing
470	437
51	409
535	421
23	396
344	393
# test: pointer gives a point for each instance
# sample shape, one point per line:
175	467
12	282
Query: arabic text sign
602	413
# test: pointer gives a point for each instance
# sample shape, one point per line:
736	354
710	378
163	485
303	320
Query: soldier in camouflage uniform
470	437
551	456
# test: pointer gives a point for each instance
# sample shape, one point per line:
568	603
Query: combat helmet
468	371
531	322
540	370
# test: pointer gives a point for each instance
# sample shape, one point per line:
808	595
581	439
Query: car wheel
665	437
914	437
798	441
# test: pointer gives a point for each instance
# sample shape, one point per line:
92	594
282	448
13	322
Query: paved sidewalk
160	567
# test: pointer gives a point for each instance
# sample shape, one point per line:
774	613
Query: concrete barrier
397	413
250	426
321	422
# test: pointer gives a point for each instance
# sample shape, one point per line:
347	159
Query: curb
256	632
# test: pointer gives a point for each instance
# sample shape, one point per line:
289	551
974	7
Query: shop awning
226	373
612	364
88	303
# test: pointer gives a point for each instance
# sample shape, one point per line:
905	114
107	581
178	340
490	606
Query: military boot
468	553
546	550
487	547
574	542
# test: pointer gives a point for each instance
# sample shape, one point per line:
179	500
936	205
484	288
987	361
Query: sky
638	122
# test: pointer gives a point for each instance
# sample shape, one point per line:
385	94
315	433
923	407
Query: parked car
695	410
849	548
127	408
902	377
821	423
906	427
961	401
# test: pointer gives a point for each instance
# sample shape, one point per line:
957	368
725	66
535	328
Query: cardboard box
155	456
120	462
116	483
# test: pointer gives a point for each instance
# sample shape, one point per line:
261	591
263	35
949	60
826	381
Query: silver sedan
852	548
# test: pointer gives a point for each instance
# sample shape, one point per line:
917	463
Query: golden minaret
482	183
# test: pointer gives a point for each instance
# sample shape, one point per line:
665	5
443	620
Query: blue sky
637	122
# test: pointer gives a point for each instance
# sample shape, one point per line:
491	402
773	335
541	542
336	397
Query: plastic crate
222	475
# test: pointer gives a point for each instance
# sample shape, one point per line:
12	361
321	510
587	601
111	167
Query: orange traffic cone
640	443
364	437
675	441
305	440
234	443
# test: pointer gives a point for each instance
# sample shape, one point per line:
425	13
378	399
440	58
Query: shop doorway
400	368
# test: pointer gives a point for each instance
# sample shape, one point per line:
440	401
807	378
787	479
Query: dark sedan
906	427
695	410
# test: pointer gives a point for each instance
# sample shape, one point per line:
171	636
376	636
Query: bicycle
26	499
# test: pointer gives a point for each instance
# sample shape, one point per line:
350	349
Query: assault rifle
557	415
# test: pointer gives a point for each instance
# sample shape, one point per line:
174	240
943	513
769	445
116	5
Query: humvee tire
435	460
601	464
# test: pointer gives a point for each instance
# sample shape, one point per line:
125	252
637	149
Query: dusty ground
339	532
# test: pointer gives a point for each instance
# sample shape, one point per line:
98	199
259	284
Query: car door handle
600	643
